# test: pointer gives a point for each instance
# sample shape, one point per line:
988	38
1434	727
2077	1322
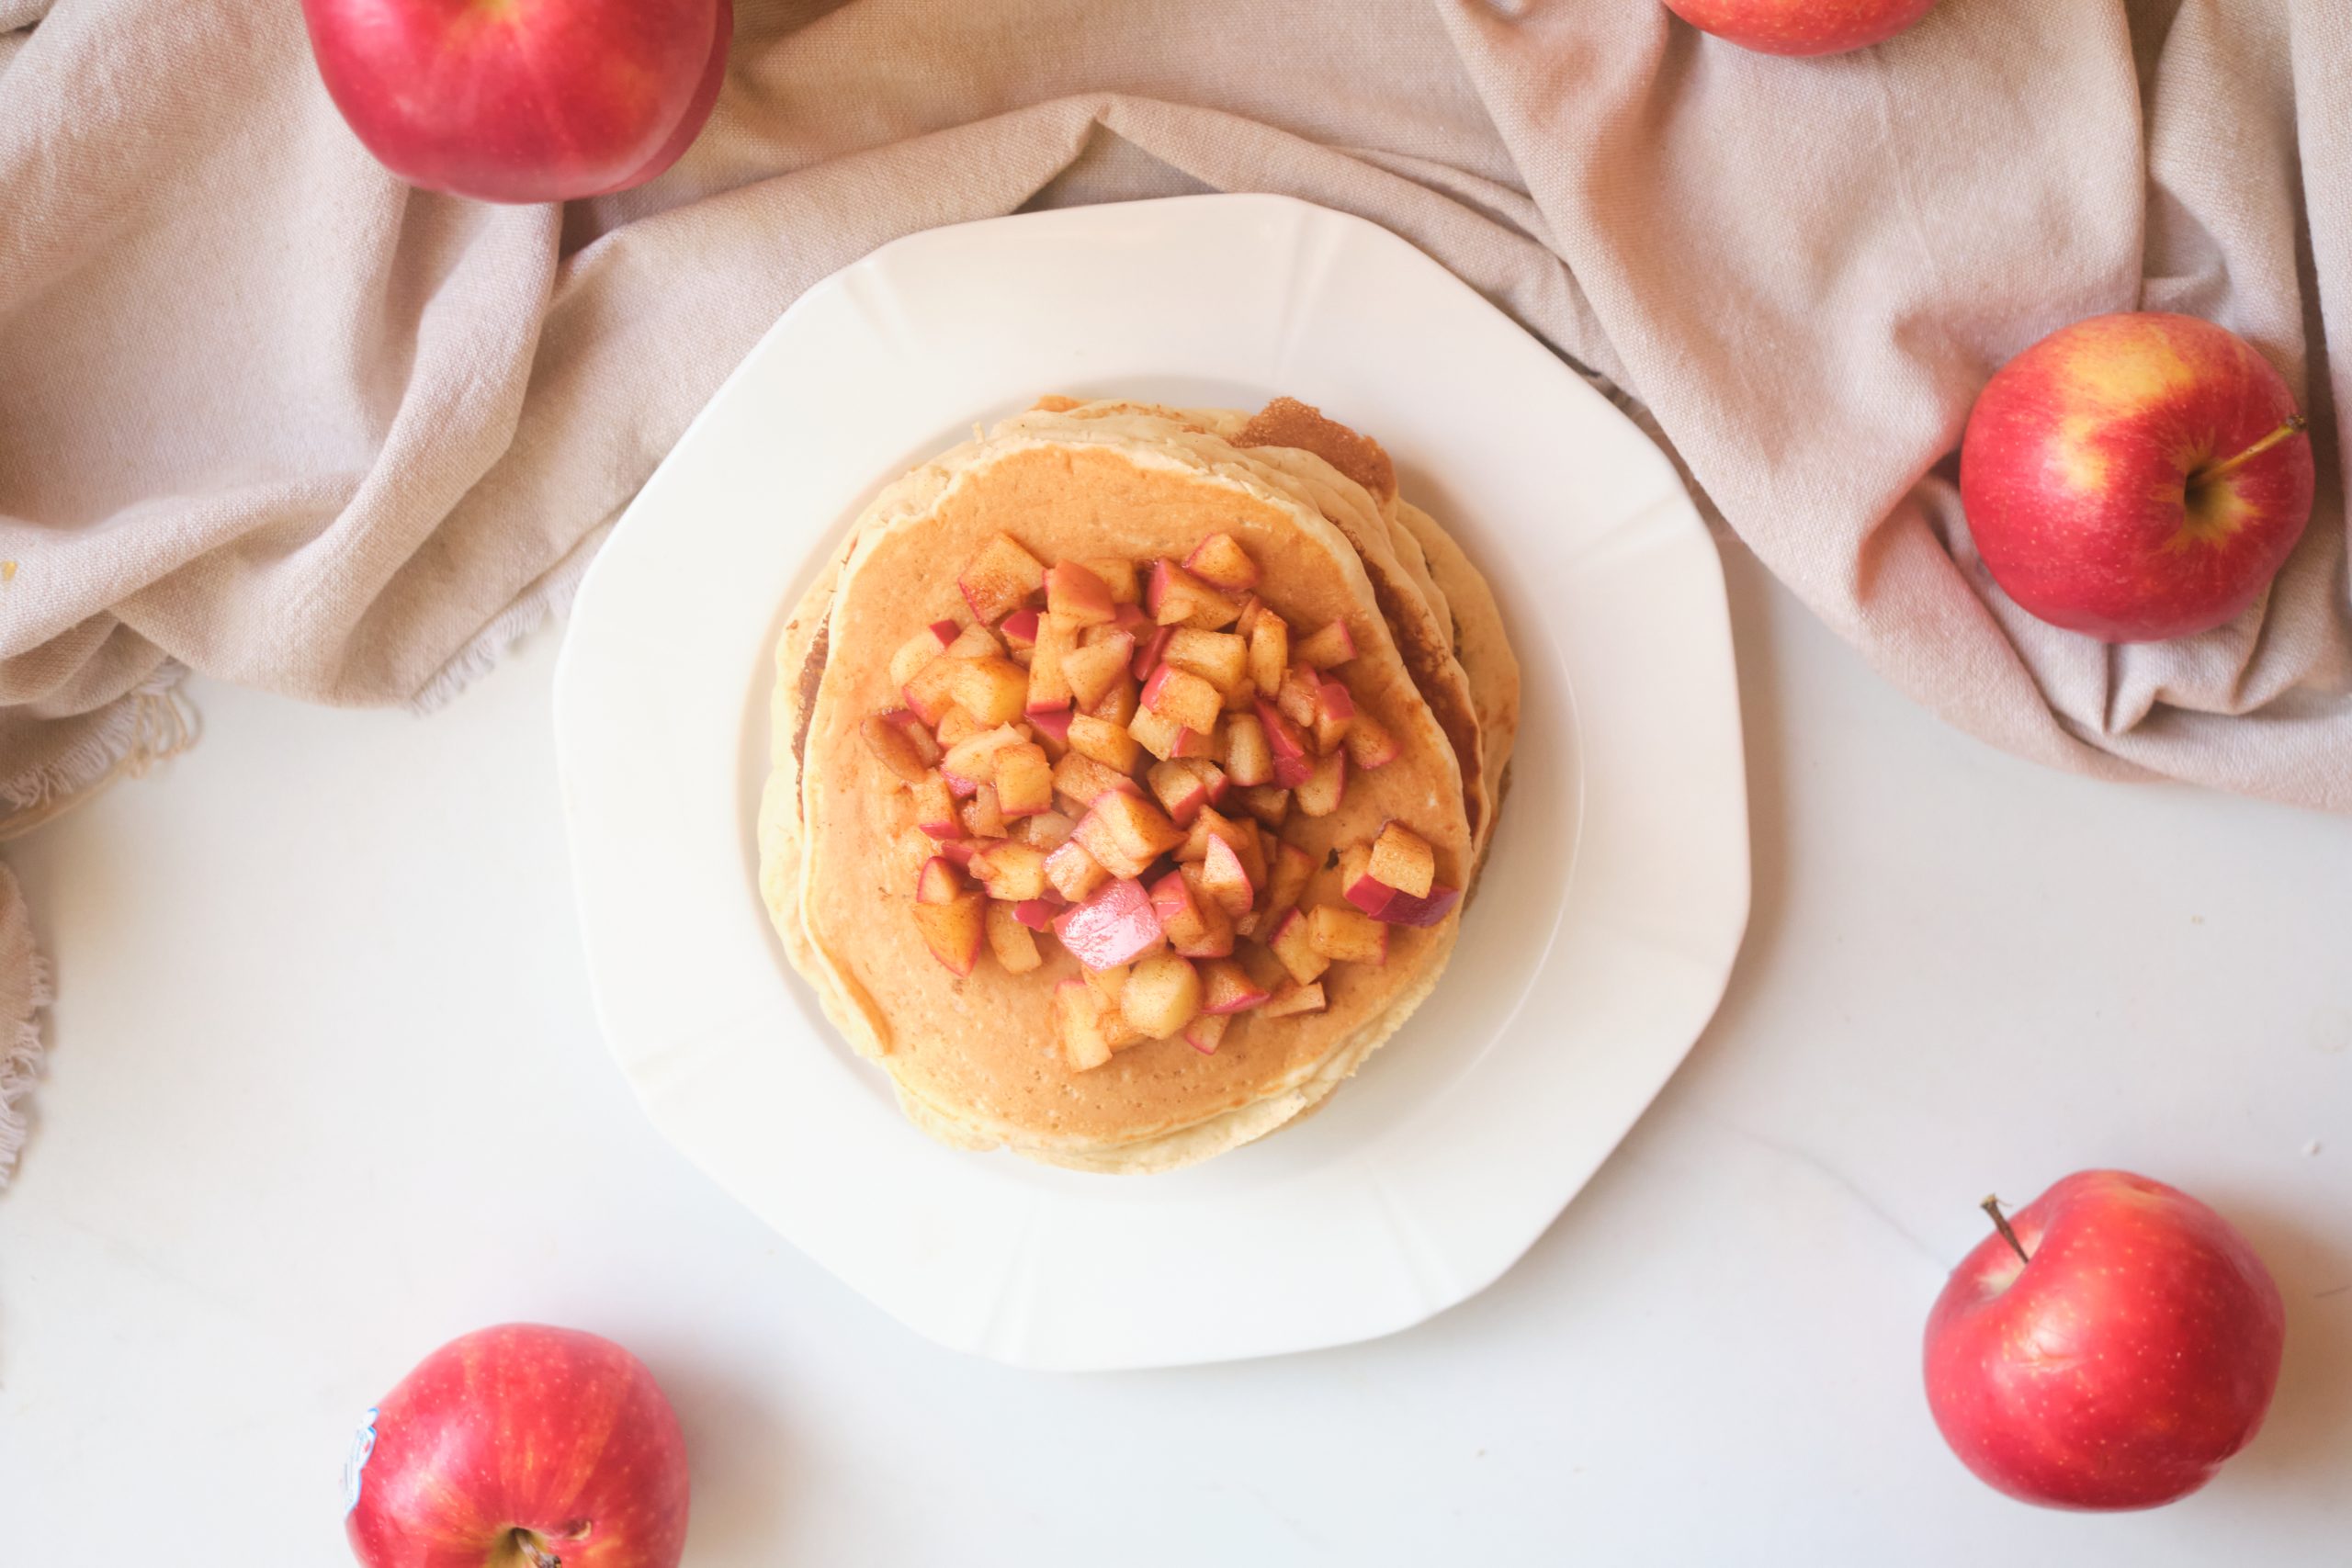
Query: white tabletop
326	1091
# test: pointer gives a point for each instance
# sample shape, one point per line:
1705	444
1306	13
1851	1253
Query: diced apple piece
982	820
1049	687
1225	879
1333	645
1114	925
972	762
1295	998
1293	753
1180	791
1025	781
1221	562
921	650
1239	836
1085	781
1020	629
1151	647
935	808
1106	742
1293	868
1348	935
927	746
993	689
1219	658
1048	829
1121	703
1335	710
1090	671
1259	962
1000	580
1164	738
1205	1033
939	882
1183	698
930	692
1133	621
1369	745
1403	859
1325	787
1118	574
1226	987
961	851
953	930
1242	696
1077	595
1072	872
955	726
974	642
1175	597
1079	1014
1107	980
1299	695
1195	925
1126	834
1269	651
1248	758
1052	725
892	749
1011	871
1291	944
1391	907
1161	995
1037	914
1011	940
1270	804
1247	622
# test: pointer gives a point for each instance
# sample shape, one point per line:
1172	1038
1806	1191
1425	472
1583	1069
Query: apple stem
2296	424
539	1556
2001	1222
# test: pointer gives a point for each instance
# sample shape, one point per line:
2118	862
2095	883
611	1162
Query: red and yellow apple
1801	27
2136	476
523	100
520	1446
2107	1347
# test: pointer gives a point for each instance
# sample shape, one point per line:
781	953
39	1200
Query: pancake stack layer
1064	920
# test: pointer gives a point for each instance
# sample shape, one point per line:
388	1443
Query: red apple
2136	476
2112	1354
547	101
519	1447
1801	27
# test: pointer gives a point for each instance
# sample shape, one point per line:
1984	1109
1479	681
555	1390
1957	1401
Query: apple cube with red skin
1126	834
1387	905
1180	916
1207	1032
1293	753
1077	595
1219	658
1226	880
1121	703
982	820
948	915
1181	791
1300	695
1249	759
1025	781
961	851
1000	580
1221	562
1214	939
1291	943
1295	998
1270	804
1090	671
1333	645
1019	630
974	642
1269	651
1072	872
1037	914
935	808
955	726
1403	859
1106	742
1049	685
930	692
972	763
1161	995
1014	946
1048	829
1151	647
1165	738
1347	935
921	650
1116	924
1176	598
1293	869
1052	727
1119	575
1183	698
1080	1014
894	747
1370	745
1011	871
1086	781
1335	710
1226	987
993	689
1211	827
1325	787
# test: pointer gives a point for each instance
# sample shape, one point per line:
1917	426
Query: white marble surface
326	1091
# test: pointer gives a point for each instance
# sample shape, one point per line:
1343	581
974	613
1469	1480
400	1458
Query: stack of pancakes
972	1056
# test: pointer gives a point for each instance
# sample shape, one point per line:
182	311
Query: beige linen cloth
266	413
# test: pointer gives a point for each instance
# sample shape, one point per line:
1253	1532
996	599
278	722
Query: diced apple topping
1369	744
1292	943
1294	999
1269	652
1321	794
1176	598
1088	673
1000	580
1299	695
1181	791
1116	925
1121	703
1049	685
1183	698
1226	987
1080	1015
1248	758
1019	630
1025	781
935	808
1126	834
1053	724
921	650
1012	942
1048	829
1011	871
1104	742
1165	737
1334	712
894	747
1119	575
1151	645
1219	658
1403	859
948	915
973	642
1293	868
993	689
1072	872
971	763
1221	562
1077	595
1270	804
1195	925
1293	749
1205	1033
1161	995
1037	914
982	818
1333	645
1083	781
1226	880
1347	935
955	726
930	692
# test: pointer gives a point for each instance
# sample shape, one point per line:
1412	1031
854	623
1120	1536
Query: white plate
1596	949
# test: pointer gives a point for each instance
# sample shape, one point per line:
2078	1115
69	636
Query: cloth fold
266	413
